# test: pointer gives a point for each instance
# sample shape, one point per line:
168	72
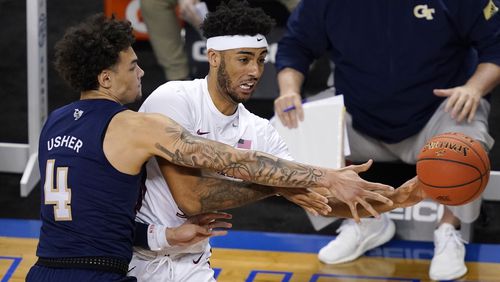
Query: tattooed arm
195	194
150	135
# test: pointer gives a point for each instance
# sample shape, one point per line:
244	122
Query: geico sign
424	211
199	52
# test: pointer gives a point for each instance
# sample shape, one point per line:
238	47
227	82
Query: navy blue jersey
390	55
87	206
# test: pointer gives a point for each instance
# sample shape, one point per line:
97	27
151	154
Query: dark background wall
268	215
13	79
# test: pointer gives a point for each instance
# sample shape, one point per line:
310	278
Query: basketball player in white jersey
210	108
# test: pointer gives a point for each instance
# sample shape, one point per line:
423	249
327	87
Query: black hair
236	17
90	47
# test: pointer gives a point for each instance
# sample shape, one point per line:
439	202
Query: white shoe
448	262
355	239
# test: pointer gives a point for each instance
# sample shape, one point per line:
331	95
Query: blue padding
306	243
270	241
23	228
285	242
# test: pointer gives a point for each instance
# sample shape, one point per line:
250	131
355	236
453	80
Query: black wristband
141	235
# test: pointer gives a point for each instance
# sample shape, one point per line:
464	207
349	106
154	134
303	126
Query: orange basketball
453	168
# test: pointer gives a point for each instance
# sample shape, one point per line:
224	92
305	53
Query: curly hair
90	47
236	17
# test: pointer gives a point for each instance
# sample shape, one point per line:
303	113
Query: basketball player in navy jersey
92	151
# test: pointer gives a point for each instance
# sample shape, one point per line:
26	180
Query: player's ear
104	78
214	58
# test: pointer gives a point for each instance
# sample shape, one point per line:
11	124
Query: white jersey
189	103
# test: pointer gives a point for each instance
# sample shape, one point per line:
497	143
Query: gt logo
422	11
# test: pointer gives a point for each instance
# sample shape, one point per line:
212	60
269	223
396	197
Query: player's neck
96	94
222	102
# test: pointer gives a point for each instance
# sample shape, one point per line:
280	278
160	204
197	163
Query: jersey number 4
60	196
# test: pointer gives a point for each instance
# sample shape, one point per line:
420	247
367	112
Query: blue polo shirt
390	55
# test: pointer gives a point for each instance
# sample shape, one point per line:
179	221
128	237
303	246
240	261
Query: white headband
226	42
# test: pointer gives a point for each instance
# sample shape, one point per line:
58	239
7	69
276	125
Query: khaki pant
165	37
364	147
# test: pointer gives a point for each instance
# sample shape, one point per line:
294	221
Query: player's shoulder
176	89
136	122
173	93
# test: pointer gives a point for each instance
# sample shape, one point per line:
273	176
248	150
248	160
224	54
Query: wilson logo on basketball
447	145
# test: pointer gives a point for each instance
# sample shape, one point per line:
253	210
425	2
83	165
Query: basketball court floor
260	256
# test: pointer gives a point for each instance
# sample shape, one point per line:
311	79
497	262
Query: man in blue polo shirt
407	71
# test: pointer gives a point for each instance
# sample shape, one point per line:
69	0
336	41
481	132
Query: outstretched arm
195	194
155	134
408	194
